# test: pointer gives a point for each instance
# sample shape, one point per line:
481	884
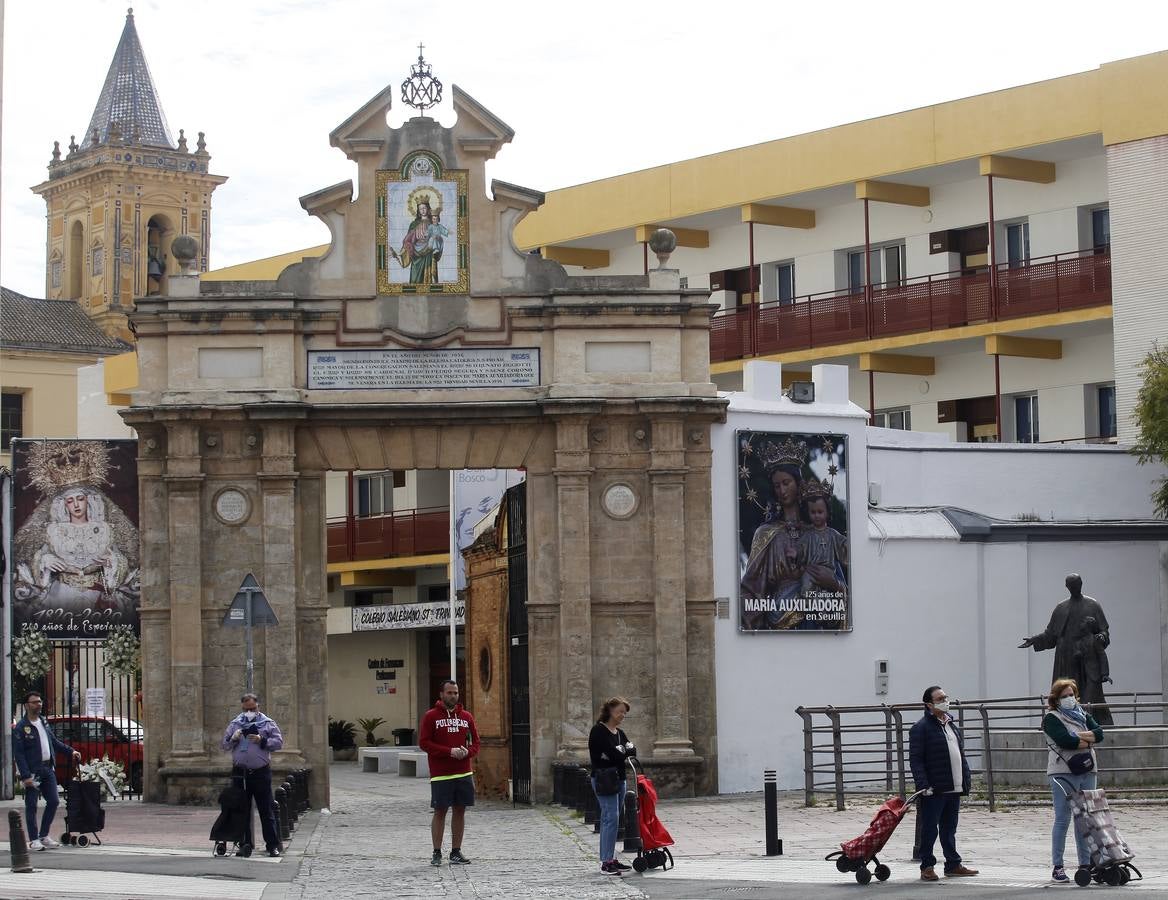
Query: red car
94	737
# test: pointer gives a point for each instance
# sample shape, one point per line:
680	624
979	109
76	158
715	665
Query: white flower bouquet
30	652
109	773
122	651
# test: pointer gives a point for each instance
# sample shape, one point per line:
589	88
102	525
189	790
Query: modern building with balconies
993	268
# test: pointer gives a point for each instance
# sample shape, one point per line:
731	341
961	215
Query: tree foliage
1151	415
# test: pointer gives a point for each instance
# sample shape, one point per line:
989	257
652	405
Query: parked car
117	737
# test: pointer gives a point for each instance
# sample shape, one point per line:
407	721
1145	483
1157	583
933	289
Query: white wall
939	610
95	417
1066	482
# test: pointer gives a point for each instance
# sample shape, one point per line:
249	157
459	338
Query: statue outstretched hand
1026	642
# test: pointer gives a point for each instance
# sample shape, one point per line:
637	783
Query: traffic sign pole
247	638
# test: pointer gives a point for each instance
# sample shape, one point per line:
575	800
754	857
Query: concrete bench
413	765
381	759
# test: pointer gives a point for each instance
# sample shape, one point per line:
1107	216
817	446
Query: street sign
250	608
261	611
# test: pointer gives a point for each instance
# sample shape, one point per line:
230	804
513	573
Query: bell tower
119	197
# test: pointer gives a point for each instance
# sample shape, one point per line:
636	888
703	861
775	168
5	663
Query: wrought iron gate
517	634
93	710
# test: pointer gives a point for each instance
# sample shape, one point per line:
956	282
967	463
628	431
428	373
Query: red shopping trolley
856	854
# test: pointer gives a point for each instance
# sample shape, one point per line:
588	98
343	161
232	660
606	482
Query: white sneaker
49	844
35	845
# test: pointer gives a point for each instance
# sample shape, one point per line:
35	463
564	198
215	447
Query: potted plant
369	726
342	739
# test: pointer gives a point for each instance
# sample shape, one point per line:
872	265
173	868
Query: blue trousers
609	819
939	815
1062	816
258	785
48	790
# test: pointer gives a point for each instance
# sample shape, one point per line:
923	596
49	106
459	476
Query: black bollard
305	801
17	843
583	786
591	807
281	798
293	807
770	801
917	832
632	835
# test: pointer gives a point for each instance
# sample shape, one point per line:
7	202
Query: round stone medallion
232	506
619	500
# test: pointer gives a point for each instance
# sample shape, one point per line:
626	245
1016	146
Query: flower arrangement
122	651
109	773
30	652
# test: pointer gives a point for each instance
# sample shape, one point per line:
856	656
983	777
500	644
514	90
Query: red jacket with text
442	730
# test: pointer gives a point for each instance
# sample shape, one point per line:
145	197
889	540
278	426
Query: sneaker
35	844
609	868
1060	875
275	851
457	859
49	844
436	859
620	865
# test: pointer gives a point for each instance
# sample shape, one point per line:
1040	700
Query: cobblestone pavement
376	844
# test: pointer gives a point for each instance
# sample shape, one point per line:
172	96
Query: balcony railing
927	303
406	533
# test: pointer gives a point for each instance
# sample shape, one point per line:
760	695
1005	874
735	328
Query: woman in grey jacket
1069	730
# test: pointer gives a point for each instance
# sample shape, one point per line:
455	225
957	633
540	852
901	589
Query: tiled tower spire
128	103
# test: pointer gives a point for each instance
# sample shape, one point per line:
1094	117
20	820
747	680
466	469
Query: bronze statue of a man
1078	632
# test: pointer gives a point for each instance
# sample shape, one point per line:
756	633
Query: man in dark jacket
937	757
33	750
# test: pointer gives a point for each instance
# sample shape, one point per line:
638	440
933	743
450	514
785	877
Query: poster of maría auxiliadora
793	553
75	554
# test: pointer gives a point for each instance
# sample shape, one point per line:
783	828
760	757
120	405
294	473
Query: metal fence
859	750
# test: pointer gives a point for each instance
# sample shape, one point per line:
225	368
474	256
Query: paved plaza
375	844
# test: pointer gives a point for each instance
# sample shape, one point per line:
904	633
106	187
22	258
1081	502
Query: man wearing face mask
252	738
937	757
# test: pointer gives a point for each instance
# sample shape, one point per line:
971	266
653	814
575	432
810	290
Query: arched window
157	231
76	261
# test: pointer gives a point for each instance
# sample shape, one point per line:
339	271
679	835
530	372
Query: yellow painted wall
49	384
1121	101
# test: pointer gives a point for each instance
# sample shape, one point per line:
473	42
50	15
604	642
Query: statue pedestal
1020	757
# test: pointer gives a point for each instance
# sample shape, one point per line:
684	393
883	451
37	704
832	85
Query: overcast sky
592	89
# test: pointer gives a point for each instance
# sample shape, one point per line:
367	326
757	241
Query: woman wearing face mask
608	748
1069	730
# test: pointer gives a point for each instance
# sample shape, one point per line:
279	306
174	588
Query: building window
780	283
888	267
900	419
1026	419
438	593
11	419
1107	427
1018	244
375	494
1101	228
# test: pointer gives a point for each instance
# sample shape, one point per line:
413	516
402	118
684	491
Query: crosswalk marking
86	883
804	871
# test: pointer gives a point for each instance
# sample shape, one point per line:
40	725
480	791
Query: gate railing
864	750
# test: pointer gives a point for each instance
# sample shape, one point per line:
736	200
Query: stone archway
611	423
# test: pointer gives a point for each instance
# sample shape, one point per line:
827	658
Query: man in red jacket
451	740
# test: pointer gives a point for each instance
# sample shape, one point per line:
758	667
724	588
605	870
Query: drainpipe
350	523
645	256
871	396
998	396
754	293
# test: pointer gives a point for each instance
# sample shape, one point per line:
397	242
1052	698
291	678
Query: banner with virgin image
75	544
793	545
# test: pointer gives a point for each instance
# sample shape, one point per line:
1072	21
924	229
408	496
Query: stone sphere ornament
185	250
662	242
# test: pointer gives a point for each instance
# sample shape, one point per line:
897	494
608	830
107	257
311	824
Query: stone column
312	634
277	479
154	611
184	490
667	473
573	479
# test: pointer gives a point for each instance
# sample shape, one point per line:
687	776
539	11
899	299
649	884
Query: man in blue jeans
34	749
252	738
937	757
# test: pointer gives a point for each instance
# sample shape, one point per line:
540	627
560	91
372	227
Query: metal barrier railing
865	749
